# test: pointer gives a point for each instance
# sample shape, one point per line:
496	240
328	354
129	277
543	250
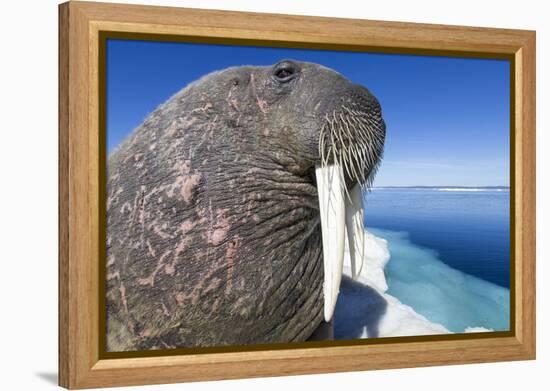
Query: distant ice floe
365	309
451	189
477	330
469	189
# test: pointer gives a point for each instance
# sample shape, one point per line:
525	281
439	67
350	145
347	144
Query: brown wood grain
80	365
63	195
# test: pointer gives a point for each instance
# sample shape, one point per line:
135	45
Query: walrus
228	208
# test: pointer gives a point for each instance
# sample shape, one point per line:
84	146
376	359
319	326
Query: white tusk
332	209
355	230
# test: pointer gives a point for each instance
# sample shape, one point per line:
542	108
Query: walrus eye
285	71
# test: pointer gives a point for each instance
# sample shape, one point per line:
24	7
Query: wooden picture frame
81	161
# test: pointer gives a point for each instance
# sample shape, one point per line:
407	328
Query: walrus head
232	197
324	126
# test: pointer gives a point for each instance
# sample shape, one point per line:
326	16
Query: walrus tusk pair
341	216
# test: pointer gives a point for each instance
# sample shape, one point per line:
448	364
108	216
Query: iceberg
367	307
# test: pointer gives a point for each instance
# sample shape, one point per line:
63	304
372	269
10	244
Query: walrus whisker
357	162
322	137
354	141
354	155
346	126
344	148
360	158
332	135
369	139
338	159
362	132
344	159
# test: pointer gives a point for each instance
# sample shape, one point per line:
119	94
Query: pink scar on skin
217	233
215	305
207	106
125	206
234	103
230	259
170	268
187	226
262	104
184	167
150	249
122	290
145	333
150	280
186	122
189	184
238	303
182	245
157	230
214	284
113	196
181	297
172	128
185	182
110	258
165	310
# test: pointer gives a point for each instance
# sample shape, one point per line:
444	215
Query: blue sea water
450	252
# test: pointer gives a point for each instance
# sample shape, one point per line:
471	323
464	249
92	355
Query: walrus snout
351	143
353	136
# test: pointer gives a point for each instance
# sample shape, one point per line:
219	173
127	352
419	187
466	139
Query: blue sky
447	118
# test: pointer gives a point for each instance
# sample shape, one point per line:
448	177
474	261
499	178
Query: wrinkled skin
213	233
